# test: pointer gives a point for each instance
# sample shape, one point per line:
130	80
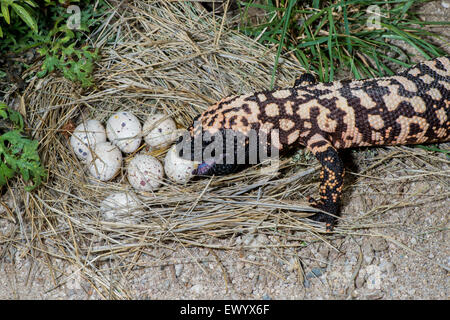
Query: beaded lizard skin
409	108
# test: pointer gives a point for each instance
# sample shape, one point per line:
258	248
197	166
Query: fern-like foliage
18	153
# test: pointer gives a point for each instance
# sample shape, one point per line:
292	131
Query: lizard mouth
204	168
210	167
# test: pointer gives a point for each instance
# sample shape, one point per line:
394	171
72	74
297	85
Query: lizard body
411	107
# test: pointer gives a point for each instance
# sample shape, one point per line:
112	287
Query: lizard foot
330	221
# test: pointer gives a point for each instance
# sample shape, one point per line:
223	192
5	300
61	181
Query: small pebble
251	257
178	269
197	288
368	258
373	277
387	266
166	284
360	280
248	239
355	294
292	265
306	283
368	253
323	257
374	295
379	244
315	273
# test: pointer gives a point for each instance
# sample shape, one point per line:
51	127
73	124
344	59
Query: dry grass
179	59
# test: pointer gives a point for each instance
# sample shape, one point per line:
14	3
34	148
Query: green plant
45	28
22	9
18	153
326	36
76	64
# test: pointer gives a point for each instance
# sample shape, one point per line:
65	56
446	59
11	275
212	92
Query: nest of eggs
175	59
160	57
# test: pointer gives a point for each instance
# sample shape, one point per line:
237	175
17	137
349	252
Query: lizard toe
329	218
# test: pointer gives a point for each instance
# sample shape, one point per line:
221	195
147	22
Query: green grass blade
286	17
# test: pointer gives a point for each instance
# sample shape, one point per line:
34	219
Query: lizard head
214	150
227	137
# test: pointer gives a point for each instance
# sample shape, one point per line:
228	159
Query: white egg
176	168
159	134
145	172
105	161
120	206
124	130
85	136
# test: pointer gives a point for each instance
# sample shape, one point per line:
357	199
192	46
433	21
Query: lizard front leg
305	79
331	175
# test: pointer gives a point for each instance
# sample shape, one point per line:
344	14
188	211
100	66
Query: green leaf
434	148
41	73
18	153
42	51
31	3
5	173
50	63
16	118
5	12
315	4
25	16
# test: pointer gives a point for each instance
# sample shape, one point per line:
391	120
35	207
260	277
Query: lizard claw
312	201
329	220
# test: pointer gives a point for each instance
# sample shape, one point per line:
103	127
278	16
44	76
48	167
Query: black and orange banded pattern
409	108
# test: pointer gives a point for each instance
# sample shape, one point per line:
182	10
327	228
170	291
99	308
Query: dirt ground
407	259
405	255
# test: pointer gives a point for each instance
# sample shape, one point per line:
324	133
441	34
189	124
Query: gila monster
411	107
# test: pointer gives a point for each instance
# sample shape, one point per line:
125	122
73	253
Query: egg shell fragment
124	130
85	136
105	161
145	173
159	134
121	207
176	168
